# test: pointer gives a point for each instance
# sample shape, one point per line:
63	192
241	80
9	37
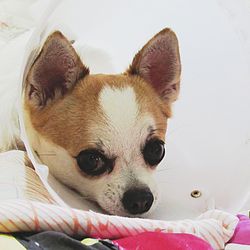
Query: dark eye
153	151
92	162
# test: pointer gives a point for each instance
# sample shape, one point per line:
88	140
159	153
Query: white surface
237	247
208	142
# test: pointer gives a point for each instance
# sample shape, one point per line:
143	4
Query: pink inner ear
56	70
158	65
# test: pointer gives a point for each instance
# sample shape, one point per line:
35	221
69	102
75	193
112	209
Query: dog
106	132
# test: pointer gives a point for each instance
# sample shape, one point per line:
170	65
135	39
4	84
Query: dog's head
103	135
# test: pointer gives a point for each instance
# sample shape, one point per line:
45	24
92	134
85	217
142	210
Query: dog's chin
122	212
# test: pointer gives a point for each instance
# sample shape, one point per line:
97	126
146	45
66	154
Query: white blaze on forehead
126	127
119	106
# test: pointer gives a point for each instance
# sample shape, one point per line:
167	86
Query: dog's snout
137	201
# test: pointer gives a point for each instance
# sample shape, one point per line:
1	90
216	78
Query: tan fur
80	107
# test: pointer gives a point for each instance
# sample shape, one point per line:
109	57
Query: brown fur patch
67	122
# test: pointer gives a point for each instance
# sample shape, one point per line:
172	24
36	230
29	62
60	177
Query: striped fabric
18	179
216	227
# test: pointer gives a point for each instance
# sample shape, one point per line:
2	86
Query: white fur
120	107
125	134
106	190
126	128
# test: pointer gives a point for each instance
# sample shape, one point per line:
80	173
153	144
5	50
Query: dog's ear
158	63
55	71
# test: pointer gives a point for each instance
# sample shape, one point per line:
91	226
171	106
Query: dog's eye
153	151
93	162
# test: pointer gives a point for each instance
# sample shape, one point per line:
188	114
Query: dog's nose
137	201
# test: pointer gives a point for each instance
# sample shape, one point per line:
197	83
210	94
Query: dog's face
103	135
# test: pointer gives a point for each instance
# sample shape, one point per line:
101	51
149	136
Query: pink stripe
91	225
15	225
75	221
37	222
204	237
125	228
131	227
105	225
49	227
117	229
18	208
214	228
147	229
58	214
215	240
35	219
56	223
213	237
10	220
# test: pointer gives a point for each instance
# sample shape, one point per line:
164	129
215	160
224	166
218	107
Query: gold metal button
196	193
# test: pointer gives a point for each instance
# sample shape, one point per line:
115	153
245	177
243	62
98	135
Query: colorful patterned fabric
215	227
51	240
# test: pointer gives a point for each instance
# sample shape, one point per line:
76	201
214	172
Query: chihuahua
106	132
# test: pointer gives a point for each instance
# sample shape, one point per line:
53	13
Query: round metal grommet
196	194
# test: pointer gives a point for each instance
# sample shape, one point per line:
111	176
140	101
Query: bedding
52	241
147	241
